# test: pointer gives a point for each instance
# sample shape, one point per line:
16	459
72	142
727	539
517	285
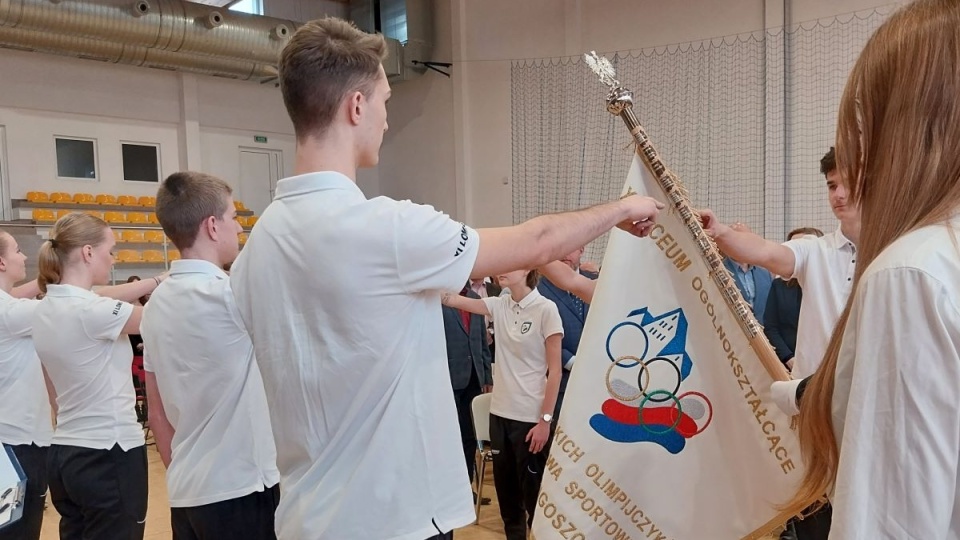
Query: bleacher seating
133	219
132	235
154	237
129	256
137	218
114	217
41	215
153	256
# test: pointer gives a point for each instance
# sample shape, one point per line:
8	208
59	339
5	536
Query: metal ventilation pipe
165	34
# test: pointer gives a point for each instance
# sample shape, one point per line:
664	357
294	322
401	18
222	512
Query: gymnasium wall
449	142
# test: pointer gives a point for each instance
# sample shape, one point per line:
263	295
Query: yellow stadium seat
129	256
139	218
117	235
173	254
132	236
61	213
251	221
38	196
60	197
154	237
243	238
152	218
147	201
127	200
94	213
83	198
114	217
43	214
106	199
153	256
239	205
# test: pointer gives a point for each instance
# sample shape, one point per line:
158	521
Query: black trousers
814	527
516	474
100	494
33	461
249	517
442	536
464	399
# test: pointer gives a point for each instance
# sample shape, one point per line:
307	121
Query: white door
259	172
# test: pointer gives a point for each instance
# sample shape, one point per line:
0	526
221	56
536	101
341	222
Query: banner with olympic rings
667	430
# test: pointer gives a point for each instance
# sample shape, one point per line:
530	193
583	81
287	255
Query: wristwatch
547	418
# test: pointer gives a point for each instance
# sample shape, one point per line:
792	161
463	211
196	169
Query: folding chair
480	407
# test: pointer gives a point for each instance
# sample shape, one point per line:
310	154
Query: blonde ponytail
69	233
48	261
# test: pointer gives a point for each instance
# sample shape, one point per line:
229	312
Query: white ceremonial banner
668	431
13	487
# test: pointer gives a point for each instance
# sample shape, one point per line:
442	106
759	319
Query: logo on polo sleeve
117	308
463	240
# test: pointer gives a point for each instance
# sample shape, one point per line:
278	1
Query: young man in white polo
824	267
208	410
342	297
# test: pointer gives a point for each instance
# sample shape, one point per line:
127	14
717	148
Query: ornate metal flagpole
620	103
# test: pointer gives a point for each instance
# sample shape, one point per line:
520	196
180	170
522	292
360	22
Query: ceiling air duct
163	34
408	27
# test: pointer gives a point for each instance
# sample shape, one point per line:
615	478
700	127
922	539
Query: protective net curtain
742	120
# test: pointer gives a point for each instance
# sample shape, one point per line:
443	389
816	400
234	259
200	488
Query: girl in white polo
25	418
97	466
525	385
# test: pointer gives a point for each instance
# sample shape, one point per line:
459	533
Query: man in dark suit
573	313
754	284
469	360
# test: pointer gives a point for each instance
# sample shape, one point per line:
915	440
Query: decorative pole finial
620	103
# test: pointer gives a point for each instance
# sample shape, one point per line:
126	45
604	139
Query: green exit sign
260	138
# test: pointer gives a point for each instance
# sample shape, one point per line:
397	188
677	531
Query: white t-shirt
824	267
78	340
520	380
342	297
896	401
196	345
24	405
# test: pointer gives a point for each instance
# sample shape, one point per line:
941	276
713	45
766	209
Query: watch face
547	418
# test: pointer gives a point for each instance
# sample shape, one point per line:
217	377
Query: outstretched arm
748	247
567	279
473	305
546	238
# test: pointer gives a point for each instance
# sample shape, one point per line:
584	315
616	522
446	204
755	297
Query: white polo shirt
896	399
195	343
77	337
824	267
342	297
520	380
24	405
